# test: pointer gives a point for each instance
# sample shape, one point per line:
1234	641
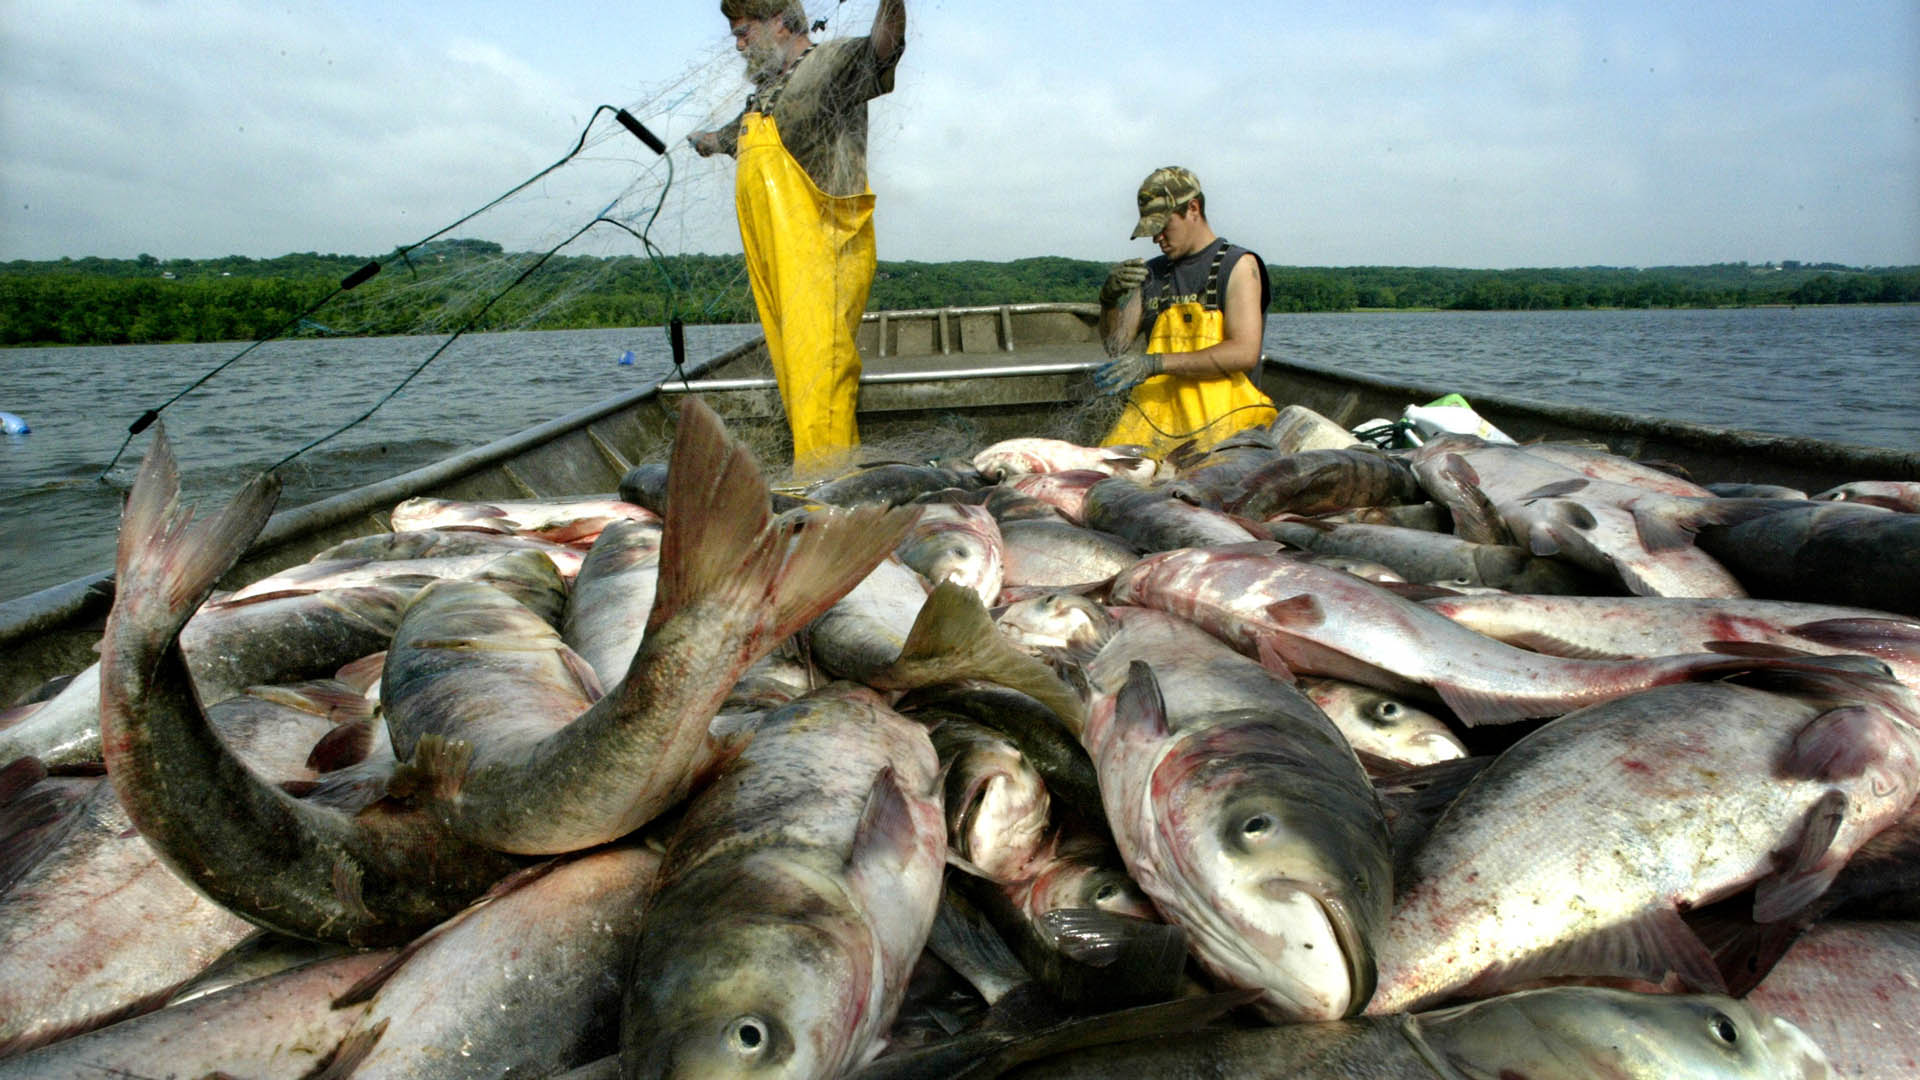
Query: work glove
1121	280
1123	372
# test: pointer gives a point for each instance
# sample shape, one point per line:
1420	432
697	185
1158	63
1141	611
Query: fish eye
1257	826
1387	712
1723	1028
1107	891
748	1036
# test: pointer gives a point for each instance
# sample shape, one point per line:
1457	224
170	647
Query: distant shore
475	285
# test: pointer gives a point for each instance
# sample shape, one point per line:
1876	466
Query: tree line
454	284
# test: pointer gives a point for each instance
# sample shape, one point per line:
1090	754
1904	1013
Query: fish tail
168	561
721	543
717	519
829	554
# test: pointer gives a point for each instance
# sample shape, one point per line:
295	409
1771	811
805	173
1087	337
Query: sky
1438	133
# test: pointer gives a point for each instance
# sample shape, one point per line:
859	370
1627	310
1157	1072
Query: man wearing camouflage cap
1203	307
806	212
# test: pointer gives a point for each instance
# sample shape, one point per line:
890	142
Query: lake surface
1845	374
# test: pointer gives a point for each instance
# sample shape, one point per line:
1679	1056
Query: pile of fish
1281	757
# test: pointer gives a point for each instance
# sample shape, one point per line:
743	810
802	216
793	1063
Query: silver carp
1385	732
1614	628
526	982
1153	520
1056	554
958	543
1016	457
1574	851
1317	621
612	597
795	895
734	582
280	1025
997	805
566	521
1242	812
1855	988
373	878
1567	1033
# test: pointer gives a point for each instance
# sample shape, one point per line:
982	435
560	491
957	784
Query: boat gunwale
63	604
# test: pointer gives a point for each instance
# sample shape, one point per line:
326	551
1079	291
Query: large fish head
758	998
1275	892
1059	621
1381	726
957	555
1568	1032
997	805
1069	884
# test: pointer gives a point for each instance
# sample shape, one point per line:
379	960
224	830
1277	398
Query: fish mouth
1355	950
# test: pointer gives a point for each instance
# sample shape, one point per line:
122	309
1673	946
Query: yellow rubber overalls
810	256
1167	410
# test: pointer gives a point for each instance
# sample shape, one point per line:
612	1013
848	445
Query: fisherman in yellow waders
806	212
1203	304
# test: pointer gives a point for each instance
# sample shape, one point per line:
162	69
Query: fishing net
628	227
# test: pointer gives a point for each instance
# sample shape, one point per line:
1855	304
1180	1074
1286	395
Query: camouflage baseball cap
760	9
1162	194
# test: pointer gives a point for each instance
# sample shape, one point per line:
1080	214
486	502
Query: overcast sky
1432	133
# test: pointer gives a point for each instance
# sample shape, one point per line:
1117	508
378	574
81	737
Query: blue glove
1122	372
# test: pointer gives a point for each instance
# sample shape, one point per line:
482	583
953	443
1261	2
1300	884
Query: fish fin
728	726
969	867
1811	865
352	1051
438	770
1840	744
717	517
165	557
1138	709
363	674
1270	658
347	881
1558	488
1100	939
1664	527
33	819
1880	637
1546	641
1744	950
20	774
830	553
1649	947
1474	517
348	743
1297	612
954	639
883	841
1542	539
1475	707
583	674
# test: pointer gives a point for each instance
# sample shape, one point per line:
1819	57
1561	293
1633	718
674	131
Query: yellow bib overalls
1167	410
810	257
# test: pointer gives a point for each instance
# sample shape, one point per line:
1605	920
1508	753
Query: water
1846	374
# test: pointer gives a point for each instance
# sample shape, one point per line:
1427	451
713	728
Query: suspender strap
765	108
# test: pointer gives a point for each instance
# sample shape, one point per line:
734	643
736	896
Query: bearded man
805	209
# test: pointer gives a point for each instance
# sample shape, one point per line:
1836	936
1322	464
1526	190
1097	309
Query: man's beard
764	61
